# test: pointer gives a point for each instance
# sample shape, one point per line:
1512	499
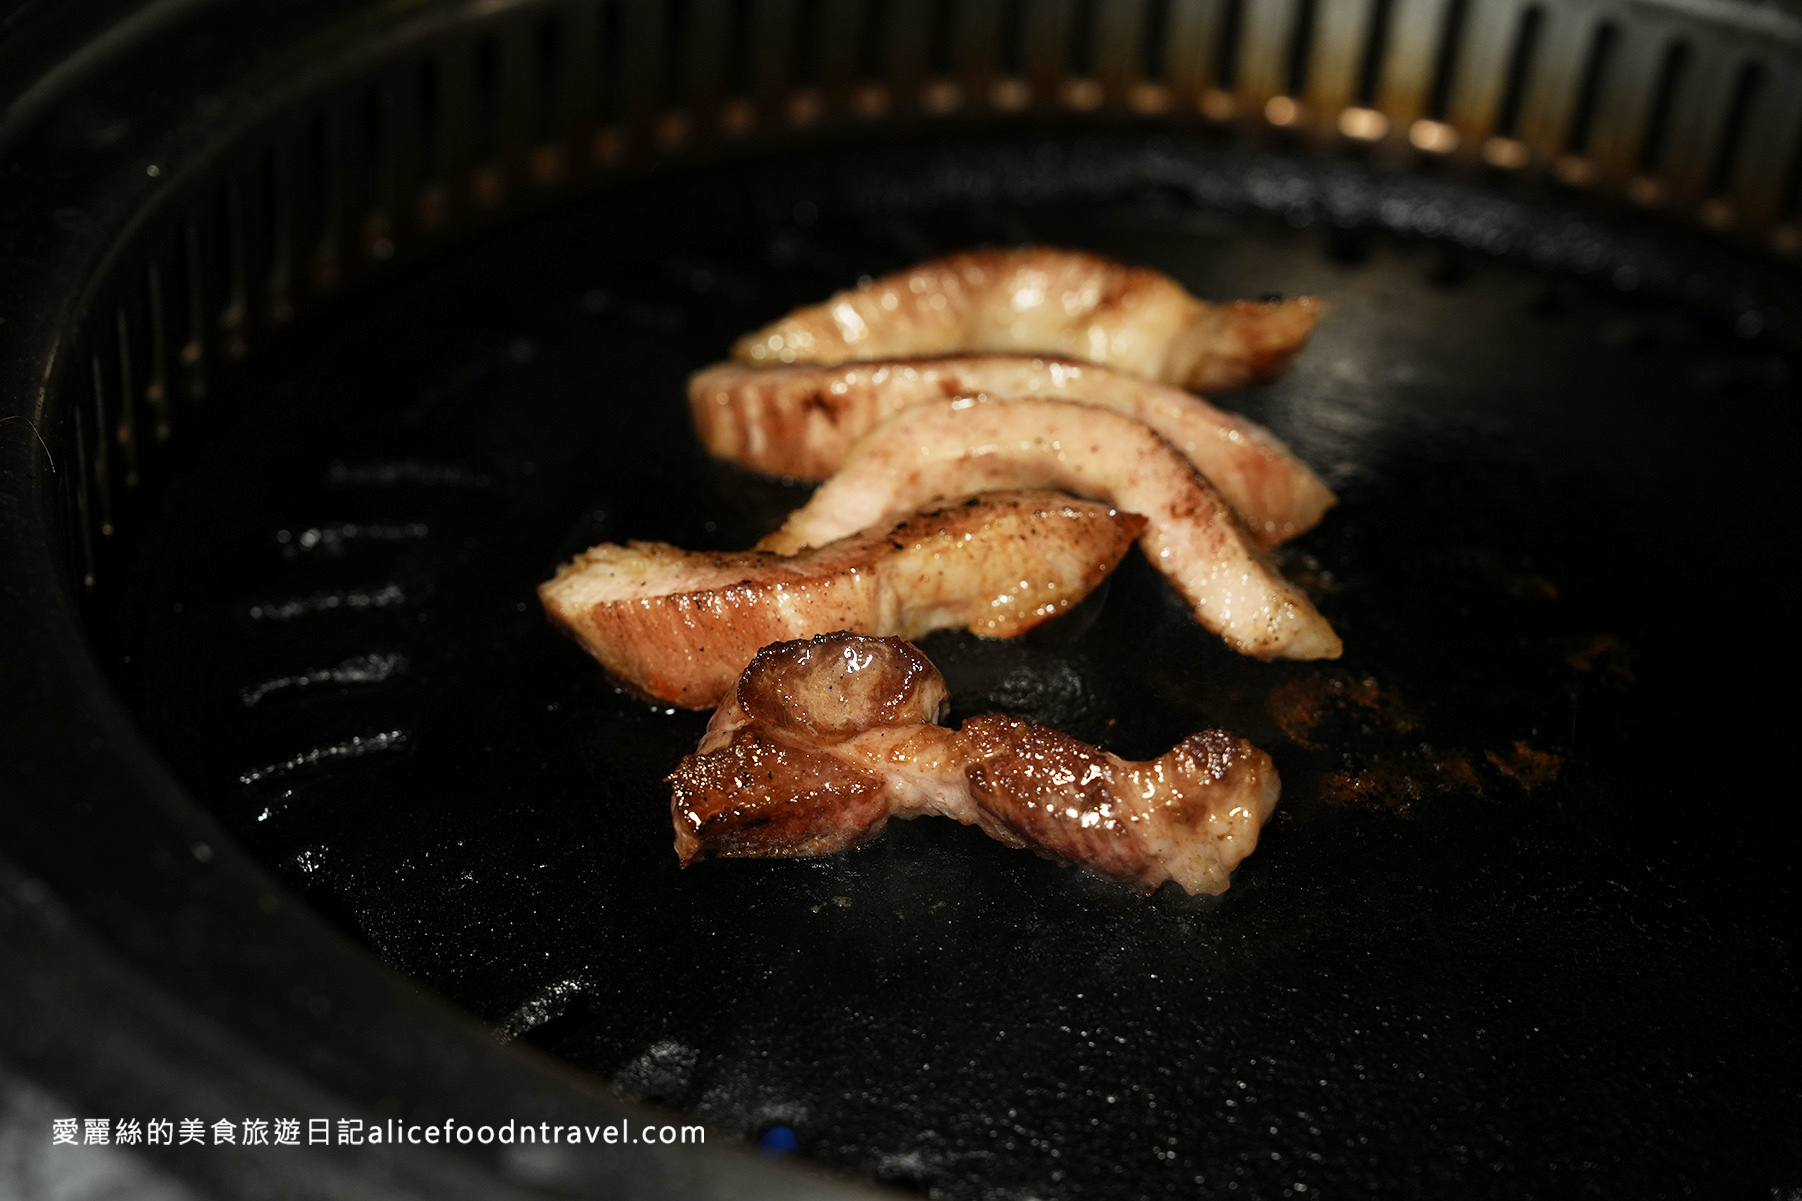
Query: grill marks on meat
823	741
802	421
679	626
1039	299
968	444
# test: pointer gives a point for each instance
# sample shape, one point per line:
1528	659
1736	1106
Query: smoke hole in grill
1154	43
1589	91
1445	63
1746	84
1226	53
1301	46
1520	66
1376	41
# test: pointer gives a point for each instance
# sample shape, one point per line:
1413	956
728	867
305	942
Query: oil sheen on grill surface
1490	896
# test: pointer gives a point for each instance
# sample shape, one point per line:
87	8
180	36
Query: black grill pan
1521	927
327	329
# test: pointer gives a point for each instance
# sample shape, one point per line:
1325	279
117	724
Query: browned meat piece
801	421
679	626
824	741
964	445
1042	300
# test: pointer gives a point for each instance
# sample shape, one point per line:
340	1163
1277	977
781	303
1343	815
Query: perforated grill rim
470	111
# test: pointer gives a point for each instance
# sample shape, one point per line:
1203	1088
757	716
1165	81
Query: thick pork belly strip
969	444
1194	812
823	741
1041	300
679	626
801	421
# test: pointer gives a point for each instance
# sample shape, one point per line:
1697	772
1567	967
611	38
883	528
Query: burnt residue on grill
1300	705
1526	765
1399	781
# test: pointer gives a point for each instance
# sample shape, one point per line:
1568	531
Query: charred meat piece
968	444
679	626
801	421
824	740
1043	300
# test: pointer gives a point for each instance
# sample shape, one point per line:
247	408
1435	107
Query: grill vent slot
549	37
1445	62
872	62
1081	39
1520	66
1301	45
1226	52
125	434
941	25
1670	82
1370	63
1595	72
1154	44
804	66
1746	85
611	32
1789	202
156	387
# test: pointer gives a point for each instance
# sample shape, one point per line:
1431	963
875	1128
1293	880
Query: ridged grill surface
1515	859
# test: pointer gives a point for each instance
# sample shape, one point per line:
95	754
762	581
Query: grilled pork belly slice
801	421
679	626
1043	300
824	740
968	444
